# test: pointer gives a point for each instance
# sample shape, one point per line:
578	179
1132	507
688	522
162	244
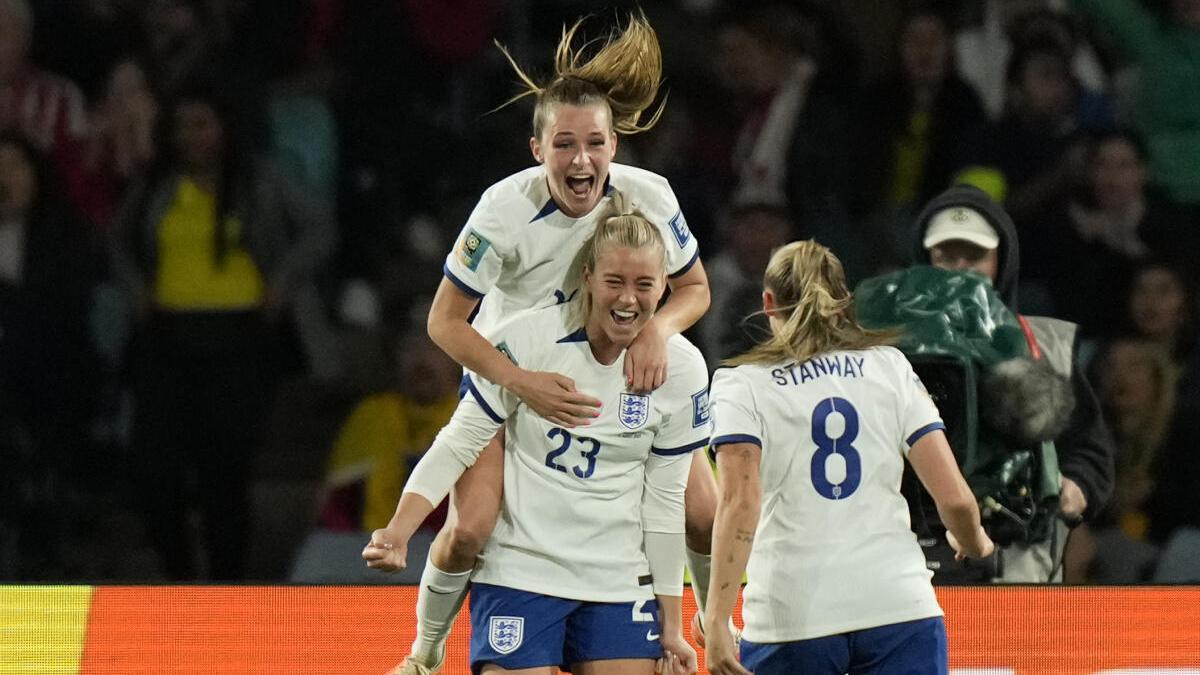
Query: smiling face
576	146
625	288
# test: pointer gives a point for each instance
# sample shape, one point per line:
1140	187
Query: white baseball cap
960	222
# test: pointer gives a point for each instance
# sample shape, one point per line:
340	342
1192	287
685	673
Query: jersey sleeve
919	414
734	418
519	337
686	423
663	210
474	263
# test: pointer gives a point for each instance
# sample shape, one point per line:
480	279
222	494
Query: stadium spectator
915	122
1162	308
1112	223
122	141
983	50
386	434
964	229
515	252
49	264
792	134
837	582
48	368
45	108
622	492
1166	48
731	325
213	248
1137	396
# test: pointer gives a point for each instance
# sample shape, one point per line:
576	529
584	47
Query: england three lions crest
506	633
635	410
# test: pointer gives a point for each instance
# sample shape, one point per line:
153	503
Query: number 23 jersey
577	501
834	551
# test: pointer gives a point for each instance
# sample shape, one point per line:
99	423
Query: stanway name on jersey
842	365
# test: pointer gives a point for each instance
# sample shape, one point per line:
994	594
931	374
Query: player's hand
982	548
646	361
721	652
1071	501
678	657
386	551
555	398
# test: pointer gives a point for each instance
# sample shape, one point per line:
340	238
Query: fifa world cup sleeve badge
471	248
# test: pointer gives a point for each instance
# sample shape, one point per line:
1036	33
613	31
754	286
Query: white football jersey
517	247
576	501
833	551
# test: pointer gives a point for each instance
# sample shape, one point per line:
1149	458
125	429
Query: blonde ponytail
623	74
815	306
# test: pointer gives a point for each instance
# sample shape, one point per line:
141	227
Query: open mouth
580	186
622	317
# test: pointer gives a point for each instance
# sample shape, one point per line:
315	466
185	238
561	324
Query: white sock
439	598
700	567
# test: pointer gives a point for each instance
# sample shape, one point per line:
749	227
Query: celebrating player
590	536
514	253
811	429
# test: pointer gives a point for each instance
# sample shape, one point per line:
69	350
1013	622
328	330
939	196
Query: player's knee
467	541
697	528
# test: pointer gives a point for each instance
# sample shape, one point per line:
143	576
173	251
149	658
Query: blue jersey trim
462	285
667	452
919	433
683	270
549	208
736	438
482	403
578	336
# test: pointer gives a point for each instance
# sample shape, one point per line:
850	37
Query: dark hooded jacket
1085	449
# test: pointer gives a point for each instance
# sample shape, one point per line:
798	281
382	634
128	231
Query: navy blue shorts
913	648
518	629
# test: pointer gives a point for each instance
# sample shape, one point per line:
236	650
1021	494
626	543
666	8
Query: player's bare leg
700	508
474	507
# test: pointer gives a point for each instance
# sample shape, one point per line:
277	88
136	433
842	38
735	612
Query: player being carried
585	566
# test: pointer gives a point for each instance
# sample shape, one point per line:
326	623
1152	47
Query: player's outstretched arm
551	395
388	548
733	537
934	464
455	449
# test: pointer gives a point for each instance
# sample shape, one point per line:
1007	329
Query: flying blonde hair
623	74
815	306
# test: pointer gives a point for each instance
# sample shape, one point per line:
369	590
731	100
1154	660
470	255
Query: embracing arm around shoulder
550	395
646	364
934	463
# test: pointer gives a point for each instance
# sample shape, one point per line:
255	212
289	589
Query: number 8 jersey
833	551
577	501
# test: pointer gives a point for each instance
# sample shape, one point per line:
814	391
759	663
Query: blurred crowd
310	162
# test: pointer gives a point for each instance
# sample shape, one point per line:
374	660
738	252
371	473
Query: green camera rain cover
954	328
